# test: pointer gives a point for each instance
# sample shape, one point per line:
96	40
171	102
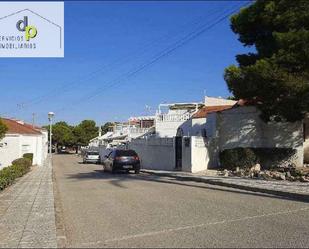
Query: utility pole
50	118
33	120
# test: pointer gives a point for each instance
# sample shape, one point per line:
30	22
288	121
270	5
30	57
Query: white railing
173	117
137	130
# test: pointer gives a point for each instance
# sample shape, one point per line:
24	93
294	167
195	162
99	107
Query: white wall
212	101
199	154
10	150
155	153
195	157
167	129
242	127
159	153
14	146
30	144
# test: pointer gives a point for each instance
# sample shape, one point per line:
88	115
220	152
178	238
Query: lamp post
50	118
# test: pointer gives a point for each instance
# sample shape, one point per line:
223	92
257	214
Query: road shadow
120	177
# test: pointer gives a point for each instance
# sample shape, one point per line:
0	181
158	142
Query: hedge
245	158
29	156
8	174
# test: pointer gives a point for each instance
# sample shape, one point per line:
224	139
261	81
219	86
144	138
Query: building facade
23	138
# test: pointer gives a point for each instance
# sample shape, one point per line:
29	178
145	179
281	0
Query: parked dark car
122	160
91	157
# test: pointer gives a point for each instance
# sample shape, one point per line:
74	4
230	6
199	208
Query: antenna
33	119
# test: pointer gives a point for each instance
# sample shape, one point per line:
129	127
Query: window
25	148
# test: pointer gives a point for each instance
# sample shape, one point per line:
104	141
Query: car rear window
92	153
126	153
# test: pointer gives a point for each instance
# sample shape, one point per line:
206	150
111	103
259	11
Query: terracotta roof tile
247	102
202	113
16	128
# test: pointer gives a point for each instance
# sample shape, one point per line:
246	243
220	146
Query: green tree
3	129
276	76
62	134
85	131
106	127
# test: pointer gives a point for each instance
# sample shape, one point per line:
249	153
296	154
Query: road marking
199	225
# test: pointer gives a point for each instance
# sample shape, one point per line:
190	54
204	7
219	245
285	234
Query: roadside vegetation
78	135
275	77
19	167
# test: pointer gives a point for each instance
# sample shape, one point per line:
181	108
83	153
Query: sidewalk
27	216
293	190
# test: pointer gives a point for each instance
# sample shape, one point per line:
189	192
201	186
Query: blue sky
104	42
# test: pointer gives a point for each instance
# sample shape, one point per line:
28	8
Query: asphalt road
126	210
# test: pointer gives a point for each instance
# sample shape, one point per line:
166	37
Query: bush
271	158
19	167
237	157
245	158
29	156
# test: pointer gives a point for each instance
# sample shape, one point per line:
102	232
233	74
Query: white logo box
31	29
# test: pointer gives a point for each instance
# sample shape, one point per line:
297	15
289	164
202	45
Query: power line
162	54
122	60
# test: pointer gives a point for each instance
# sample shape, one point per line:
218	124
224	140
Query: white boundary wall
155	153
195	156
159	153
242	127
15	145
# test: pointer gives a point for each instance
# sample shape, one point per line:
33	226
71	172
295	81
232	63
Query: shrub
237	157
271	158
247	157
29	156
19	167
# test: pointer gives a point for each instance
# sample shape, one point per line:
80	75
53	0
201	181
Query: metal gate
178	153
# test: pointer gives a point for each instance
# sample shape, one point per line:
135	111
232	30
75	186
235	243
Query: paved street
101	209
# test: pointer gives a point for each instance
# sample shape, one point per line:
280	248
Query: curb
60	227
289	195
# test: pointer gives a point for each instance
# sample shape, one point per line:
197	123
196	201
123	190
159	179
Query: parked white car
91	157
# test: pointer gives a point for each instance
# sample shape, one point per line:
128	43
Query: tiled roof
202	113
17	128
248	102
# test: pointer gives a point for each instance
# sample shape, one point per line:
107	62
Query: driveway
127	210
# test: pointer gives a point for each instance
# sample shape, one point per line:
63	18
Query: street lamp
50	118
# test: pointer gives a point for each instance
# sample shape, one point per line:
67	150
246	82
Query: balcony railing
136	130
173	117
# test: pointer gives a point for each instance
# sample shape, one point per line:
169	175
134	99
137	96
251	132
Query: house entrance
178	149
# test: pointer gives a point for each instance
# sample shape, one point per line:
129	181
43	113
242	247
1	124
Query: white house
23	138
180	136
193	142
241	126
187	119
